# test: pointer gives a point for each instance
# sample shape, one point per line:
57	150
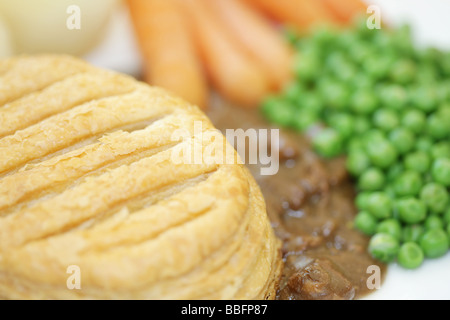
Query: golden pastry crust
88	179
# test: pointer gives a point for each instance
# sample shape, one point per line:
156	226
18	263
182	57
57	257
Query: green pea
345	71
306	47
444	109
418	161
440	150
357	162
395	171
437	126
390	226
414	120
361	124
303	119
428	74
383	247
433	221
403	40
365	223
323	35
412	232
278	111
371	179
342	123
434	243
384	40
424	144
378	66
346	38
363	102
379	204
293	92
435	196
444	92
374	136
382	153
425	98
403	139
410	255
446	216
335	94
386	119
445	64
409	183
411	210
440	171
359	52
356	143
306	66
448	230
403	71
393	97
328	143
430	55
362	81
311	102
389	190
361	200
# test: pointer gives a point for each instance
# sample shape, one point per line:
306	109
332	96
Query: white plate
430	25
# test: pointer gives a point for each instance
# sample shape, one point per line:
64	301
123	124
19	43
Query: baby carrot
346	10
258	37
298	14
235	74
169	55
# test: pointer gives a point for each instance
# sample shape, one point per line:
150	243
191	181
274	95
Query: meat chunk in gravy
320	279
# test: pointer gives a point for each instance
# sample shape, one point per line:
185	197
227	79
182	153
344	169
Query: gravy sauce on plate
310	203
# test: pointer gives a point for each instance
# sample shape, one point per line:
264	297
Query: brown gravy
310	205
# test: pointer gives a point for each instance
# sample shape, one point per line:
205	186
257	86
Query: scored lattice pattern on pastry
87	178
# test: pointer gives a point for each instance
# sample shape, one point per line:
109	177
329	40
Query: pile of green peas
385	105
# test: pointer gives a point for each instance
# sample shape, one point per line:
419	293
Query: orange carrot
258	37
346	10
168	51
298	14
235	74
